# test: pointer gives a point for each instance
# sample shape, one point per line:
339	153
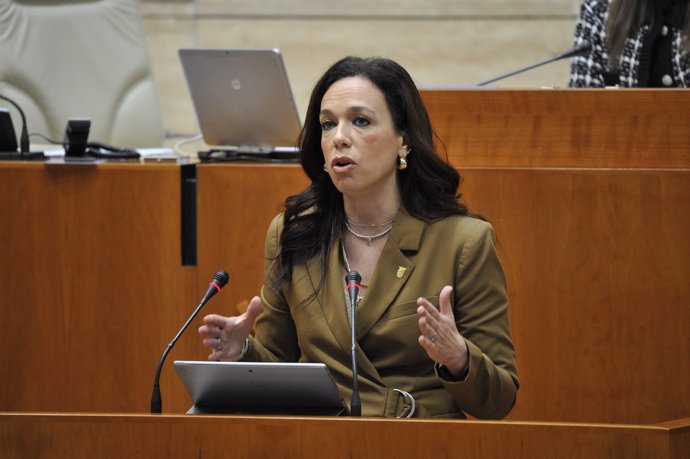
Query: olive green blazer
418	259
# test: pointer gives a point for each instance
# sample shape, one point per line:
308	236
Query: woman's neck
372	212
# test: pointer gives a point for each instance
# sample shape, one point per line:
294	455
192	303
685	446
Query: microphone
352	280
24	137
579	50
219	280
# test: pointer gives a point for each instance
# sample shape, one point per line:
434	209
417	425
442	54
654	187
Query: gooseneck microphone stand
578	50
352	280
220	278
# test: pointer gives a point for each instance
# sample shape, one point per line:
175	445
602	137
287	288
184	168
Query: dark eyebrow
354	109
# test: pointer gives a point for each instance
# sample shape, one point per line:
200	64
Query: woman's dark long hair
625	18
313	219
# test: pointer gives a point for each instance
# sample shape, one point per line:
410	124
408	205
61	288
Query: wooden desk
597	261
116	436
563	127
92	286
233	225
597	264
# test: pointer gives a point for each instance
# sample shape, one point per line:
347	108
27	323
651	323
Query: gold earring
402	163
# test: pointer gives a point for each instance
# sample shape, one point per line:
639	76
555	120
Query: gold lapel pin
401	272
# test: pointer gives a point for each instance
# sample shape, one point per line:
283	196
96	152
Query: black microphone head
353	276
220	278
579	50
584	47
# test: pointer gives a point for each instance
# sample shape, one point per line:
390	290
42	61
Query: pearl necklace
368	237
347	262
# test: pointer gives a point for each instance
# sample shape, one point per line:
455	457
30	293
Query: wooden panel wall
587	191
638	128
597	264
233	225
91	286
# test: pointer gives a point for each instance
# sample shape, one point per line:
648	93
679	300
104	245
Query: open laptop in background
260	388
243	102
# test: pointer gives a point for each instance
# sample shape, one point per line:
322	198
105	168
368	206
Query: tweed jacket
418	259
592	70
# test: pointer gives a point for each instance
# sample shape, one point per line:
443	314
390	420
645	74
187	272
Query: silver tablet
260	388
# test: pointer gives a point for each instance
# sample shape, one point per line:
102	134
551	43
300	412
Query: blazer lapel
332	298
390	276
392	271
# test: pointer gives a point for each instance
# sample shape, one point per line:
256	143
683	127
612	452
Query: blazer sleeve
489	389
276	336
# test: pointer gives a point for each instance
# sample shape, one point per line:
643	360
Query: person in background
635	43
433	333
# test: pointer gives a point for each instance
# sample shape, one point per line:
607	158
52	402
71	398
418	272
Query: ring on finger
219	345
433	339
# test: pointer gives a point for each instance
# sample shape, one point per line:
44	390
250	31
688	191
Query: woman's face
359	141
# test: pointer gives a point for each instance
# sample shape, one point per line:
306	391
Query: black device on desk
77	146
103	151
272	156
76	137
9	148
8	138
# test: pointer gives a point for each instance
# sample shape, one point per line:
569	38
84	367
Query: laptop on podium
260	388
243	102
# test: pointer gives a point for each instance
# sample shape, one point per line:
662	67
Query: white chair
80	58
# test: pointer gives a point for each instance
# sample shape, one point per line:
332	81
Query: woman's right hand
226	335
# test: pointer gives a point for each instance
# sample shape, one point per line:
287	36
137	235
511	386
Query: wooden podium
588	193
92	286
116	436
597	279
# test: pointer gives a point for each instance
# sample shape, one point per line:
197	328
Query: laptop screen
242	98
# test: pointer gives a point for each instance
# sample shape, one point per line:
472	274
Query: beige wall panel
388	7
436	52
165	37
171	25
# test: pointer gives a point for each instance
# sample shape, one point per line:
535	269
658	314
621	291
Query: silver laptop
260	388
242	98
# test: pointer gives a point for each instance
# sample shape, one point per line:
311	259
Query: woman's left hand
440	336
